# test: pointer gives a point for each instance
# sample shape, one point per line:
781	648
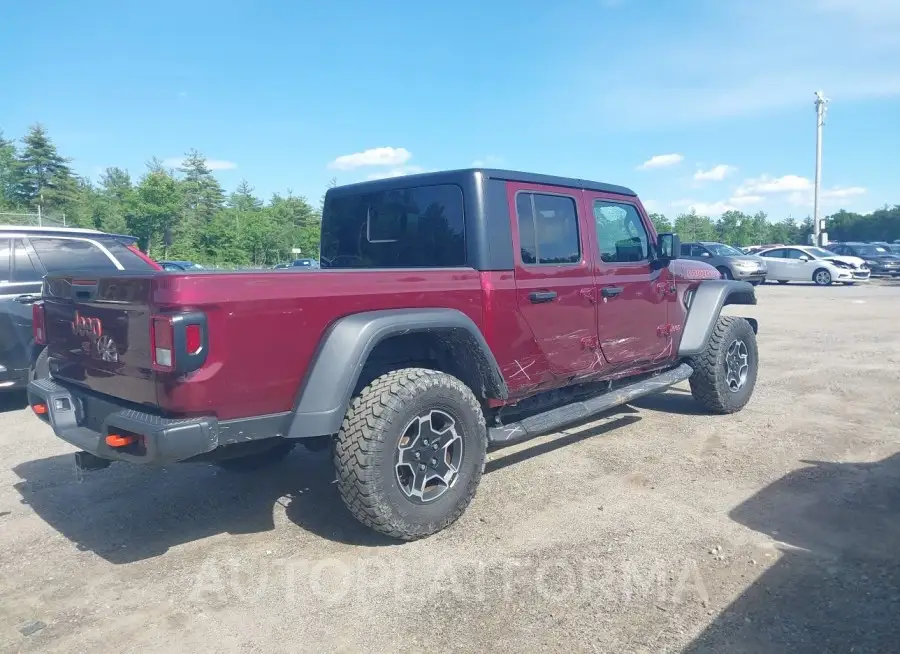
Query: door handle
539	297
28	299
612	291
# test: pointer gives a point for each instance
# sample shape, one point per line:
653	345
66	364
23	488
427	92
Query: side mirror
804	258
668	247
704	254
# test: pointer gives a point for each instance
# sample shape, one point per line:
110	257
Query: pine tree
42	176
7	173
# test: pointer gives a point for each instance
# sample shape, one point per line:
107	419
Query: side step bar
549	421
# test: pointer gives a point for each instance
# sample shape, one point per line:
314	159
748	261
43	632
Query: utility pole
821	103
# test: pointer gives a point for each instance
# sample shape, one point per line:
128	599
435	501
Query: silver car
731	262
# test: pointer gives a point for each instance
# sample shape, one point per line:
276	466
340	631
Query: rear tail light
178	341
162	343
38	324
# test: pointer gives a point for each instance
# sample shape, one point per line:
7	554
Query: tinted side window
698	251
128	259
775	254
23	269
794	254
60	254
685	249
421	227
548	228
4	260
621	236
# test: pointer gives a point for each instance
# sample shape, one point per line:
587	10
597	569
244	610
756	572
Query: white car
802	263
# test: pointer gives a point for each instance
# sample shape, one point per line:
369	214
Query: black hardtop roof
465	174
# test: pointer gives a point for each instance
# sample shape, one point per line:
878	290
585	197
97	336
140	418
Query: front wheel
725	373
410	452
726	274
822	277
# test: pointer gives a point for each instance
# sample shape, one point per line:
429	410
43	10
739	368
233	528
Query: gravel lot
653	529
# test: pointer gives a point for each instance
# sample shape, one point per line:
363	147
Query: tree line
241	229
205	224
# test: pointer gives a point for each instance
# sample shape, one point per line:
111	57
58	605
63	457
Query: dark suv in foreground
26	255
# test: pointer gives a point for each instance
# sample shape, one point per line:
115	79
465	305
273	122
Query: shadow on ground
128	513
12	401
837	588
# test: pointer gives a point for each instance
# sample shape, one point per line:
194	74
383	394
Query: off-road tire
708	383
822	279
366	446
257	460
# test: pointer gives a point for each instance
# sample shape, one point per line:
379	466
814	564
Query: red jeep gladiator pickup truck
452	311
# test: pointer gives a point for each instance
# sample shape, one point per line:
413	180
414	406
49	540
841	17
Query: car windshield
722	250
821	253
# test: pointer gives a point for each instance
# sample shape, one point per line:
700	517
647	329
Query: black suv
29	253
879	258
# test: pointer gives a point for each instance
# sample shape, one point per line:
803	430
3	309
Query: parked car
460	309
893	248
26	255
729	261
804	263
878	258
180	265
304	263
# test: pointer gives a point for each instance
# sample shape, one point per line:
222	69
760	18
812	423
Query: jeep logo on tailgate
89	327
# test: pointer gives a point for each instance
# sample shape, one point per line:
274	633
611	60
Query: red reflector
162	341
38	326
40	409
193	339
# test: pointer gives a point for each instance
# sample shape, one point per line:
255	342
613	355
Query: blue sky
704	103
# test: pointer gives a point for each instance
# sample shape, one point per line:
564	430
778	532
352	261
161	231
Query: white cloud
846	192
714	174
212	164
766	185
386	156
396	172
744	200
661	161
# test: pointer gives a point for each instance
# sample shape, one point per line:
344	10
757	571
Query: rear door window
61	254
23	268
548	229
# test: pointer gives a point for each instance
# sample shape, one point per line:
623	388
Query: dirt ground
656	528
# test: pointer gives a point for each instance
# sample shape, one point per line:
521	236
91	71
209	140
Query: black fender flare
333	373
706	305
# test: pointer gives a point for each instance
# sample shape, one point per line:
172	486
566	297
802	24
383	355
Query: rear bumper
84	421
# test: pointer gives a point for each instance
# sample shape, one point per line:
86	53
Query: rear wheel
411	452
725	373
822	277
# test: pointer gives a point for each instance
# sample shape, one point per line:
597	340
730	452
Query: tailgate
98	333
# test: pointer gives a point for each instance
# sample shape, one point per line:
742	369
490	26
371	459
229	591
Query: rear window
422	227
129	260
60	254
